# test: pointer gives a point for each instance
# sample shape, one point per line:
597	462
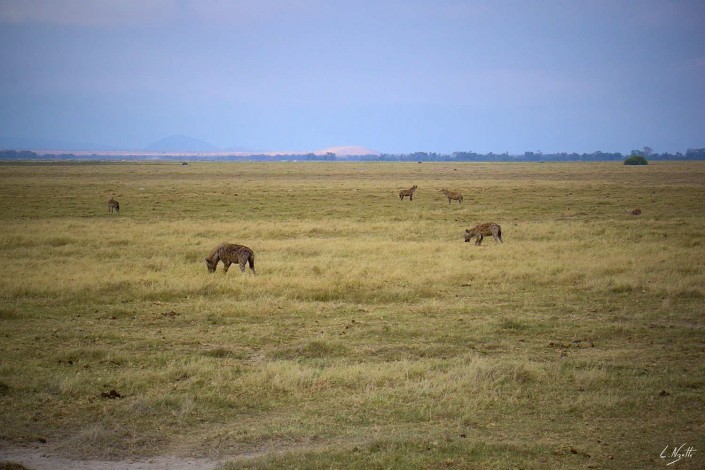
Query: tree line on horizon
599	156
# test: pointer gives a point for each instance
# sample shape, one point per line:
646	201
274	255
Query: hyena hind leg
243	259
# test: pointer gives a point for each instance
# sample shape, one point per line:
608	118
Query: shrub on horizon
635	160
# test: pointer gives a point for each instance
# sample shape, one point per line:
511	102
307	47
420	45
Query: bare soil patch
41	458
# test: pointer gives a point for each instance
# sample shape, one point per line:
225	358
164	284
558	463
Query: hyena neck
215	256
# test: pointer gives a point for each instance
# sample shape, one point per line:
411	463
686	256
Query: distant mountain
181	143
348	151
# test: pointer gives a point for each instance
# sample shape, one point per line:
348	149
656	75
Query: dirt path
37	458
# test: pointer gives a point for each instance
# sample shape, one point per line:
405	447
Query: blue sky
391	75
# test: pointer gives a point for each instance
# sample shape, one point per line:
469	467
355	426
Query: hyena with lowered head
230	253
452	195
407	192
483	230
113	205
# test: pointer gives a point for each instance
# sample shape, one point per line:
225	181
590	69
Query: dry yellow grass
372	336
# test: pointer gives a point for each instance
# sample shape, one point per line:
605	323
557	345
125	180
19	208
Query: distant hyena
452	195
635	212
407	192
483	230
230	253
113	205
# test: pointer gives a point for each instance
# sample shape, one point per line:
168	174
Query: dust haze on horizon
390	75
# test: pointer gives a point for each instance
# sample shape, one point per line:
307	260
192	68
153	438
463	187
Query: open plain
372	336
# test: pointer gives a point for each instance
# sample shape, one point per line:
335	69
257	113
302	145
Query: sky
396	76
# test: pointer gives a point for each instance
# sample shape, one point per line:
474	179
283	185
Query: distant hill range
185	144
348	151
175	144
180	147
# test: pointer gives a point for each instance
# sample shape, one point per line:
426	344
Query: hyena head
468	235
210	264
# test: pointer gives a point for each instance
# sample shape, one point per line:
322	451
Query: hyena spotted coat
451	195
230	253
407	192
113	205
482	231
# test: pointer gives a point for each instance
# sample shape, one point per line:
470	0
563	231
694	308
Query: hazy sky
391	75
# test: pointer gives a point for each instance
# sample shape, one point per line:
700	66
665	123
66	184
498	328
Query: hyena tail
251	261
499	235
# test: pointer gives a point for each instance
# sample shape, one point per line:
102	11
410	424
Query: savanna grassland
372	335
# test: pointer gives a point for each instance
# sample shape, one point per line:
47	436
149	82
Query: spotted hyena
451	195
113	205
407	192
635	212
230	253
483	230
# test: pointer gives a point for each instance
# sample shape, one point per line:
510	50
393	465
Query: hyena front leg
226	265
478	242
